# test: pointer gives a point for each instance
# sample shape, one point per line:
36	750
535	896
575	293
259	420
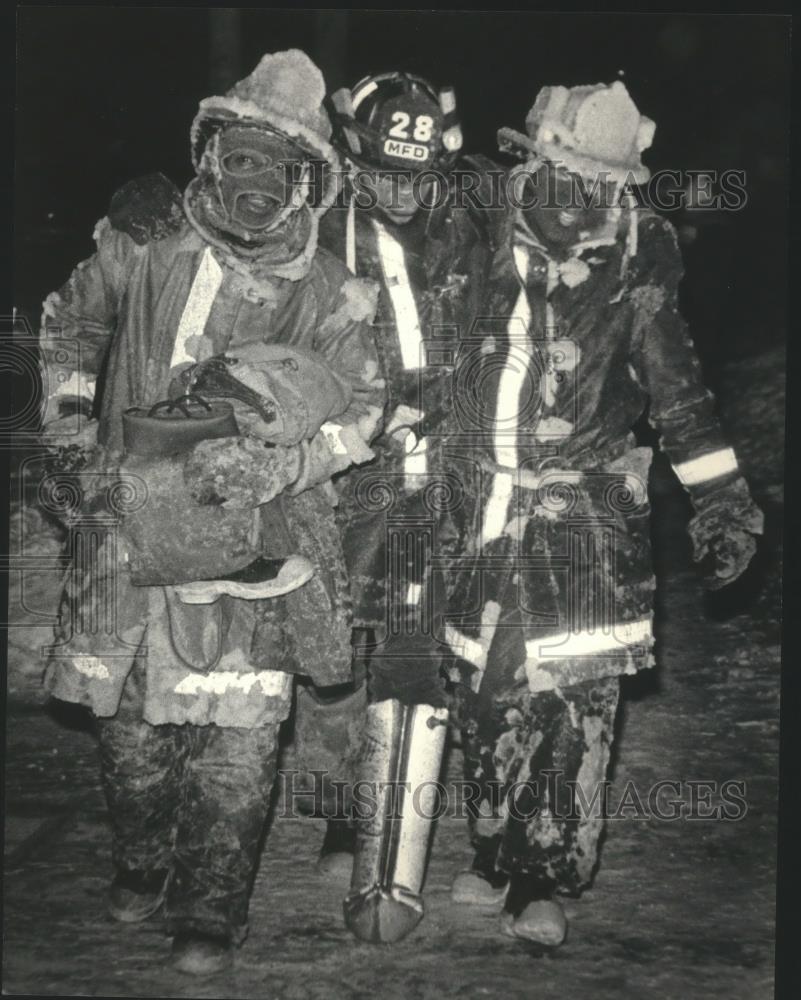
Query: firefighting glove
74	463
71	441
727	558
239	473
723	534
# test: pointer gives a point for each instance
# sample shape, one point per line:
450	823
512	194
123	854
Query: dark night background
106	94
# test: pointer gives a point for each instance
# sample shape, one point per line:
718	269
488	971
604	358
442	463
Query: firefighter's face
565	208
397	195
257	169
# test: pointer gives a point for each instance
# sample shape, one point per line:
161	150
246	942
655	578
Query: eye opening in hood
207	125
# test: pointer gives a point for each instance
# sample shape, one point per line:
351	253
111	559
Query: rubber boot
403	744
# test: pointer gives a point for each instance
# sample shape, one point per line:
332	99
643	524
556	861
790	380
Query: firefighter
400	224
552	598
189	696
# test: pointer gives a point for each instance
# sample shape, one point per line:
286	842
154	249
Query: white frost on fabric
516	528
571	707
91	666
333	436
102	226
549	831
76	385
247	109
573	272
553	427
272	682
361	299
487	823
50	305
403	416
564	355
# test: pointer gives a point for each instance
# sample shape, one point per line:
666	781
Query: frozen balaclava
253	194
265	169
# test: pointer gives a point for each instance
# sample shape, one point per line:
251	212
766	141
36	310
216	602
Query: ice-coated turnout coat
153	295
554	583
429	271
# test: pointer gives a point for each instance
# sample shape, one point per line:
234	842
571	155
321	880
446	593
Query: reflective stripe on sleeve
198	306
590	643
710	466
543	668
396	278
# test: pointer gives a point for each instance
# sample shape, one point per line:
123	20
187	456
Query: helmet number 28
423	124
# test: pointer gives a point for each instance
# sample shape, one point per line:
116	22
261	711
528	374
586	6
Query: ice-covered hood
284	94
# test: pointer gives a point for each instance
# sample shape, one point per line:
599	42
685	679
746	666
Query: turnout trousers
192	800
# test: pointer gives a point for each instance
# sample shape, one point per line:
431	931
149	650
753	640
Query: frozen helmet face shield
259	180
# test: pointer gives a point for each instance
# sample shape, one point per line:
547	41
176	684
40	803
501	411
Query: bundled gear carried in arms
198	532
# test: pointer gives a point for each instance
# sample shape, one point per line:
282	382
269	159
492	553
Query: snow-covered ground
679	909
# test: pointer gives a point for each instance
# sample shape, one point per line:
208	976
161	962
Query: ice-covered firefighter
554	553
228	366
399	225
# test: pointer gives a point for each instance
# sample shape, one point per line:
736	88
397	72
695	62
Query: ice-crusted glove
723	533
729	556
335	448
75	467
240	473
71	441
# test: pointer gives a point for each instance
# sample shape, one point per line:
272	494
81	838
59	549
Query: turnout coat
154	294
430	274
553	584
